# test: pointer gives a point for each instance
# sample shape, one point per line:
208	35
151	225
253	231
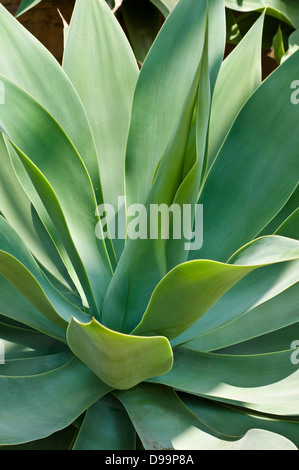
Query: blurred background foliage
142	20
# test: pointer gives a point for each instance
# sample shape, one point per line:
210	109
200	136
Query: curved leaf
20	269
289	207
21	343
43	147
251	292
43	78
179	429
176	183
36	406
98	49
286	10
15	306
164	83
232	88
270	383
230	420
272	315
121	361
21	215
240	168
190	289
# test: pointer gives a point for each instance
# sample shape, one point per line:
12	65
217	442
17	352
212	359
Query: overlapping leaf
192	288
178	176
180	429
285	11
238	200
31	397
97	43
230	313
121	361
42	148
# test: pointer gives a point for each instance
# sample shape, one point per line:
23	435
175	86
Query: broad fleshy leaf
269	316
179	429
173	331
57	95
26	401
240	168
106	426
270	384
97	43
232	88
121	361
42	149
176	183
164	83
230	420
23	218
21	270
191	289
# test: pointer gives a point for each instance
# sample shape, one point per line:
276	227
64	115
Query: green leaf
164	83
121	361
33	407
233	33
23	218
191	289
289	207
293	43
21	270
39	77
286	10
232	88
165	6
43	147
106	426
290	227
242	164
177	428
232	421
15	306
61	440
270	384
176	182
25	5
278	46
105	58
123	306
271	315
21	342
271	342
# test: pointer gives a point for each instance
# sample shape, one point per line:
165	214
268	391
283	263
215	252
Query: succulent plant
141	341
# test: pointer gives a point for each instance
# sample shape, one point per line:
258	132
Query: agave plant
142	342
